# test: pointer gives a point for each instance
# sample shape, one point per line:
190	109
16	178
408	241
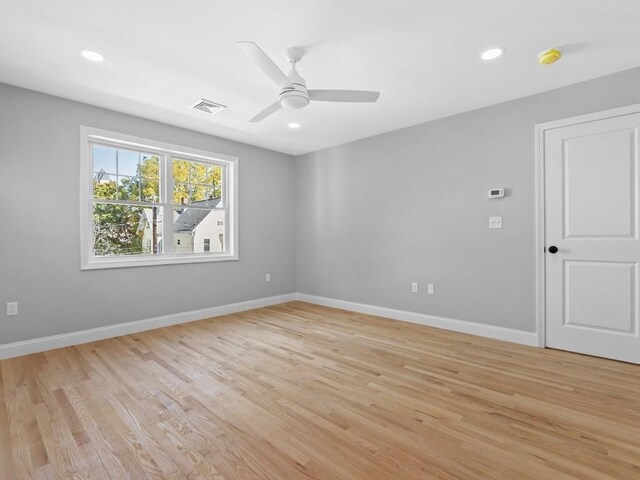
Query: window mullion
167	219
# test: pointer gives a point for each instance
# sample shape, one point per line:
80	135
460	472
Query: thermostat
496	193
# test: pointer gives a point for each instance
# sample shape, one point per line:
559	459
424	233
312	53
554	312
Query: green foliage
115	229
195	182
104	189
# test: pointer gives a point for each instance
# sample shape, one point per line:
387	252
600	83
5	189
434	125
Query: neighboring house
146	226
102	177
195	230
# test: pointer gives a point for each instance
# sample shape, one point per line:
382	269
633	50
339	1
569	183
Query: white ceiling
422	55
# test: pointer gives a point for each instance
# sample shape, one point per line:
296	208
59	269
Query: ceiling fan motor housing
294	98
296	95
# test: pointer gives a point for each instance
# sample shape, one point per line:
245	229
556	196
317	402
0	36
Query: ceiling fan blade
343	95
271	109
264	63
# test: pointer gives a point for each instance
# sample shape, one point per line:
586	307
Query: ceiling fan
293	88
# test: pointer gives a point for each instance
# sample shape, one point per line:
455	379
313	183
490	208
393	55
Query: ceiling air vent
207	106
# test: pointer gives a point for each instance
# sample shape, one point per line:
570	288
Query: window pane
104	159
128	188
104	186
214	175
196	182
128	162
211	193
149	166
150	190
126	230
198	194
192	226
181	193
198	172
180	171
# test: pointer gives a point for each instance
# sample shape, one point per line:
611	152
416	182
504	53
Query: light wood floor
298	391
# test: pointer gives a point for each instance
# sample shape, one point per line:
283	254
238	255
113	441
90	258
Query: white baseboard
35	345
25	347
462	326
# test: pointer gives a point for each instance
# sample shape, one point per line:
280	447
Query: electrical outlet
12	308
414	287
495	222
267	277
430	289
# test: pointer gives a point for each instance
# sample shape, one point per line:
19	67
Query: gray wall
39	226
411	205
371	216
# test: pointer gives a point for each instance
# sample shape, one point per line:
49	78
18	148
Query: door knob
553	249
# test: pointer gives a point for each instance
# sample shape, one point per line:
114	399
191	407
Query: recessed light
491	54
93	56
294	125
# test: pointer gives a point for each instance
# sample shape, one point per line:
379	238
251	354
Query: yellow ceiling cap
549	56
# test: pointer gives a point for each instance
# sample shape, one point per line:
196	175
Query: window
149	203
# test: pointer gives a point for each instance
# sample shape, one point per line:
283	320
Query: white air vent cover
208	106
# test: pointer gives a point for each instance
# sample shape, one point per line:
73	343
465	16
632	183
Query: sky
116	161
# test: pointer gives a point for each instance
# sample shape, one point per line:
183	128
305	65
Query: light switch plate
495	222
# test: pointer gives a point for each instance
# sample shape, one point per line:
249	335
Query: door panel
600	296
591	215
593	164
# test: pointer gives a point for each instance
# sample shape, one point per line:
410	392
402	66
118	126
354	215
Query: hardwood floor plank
300	391
6	445
17	406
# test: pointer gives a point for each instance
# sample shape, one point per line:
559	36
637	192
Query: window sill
110	262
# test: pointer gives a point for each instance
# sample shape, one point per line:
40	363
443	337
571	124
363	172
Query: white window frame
167	152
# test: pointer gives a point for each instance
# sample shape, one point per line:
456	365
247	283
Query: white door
591	214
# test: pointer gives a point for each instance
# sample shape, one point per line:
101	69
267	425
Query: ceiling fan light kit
293	88
296	97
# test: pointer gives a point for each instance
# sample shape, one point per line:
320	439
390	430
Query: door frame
540	129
